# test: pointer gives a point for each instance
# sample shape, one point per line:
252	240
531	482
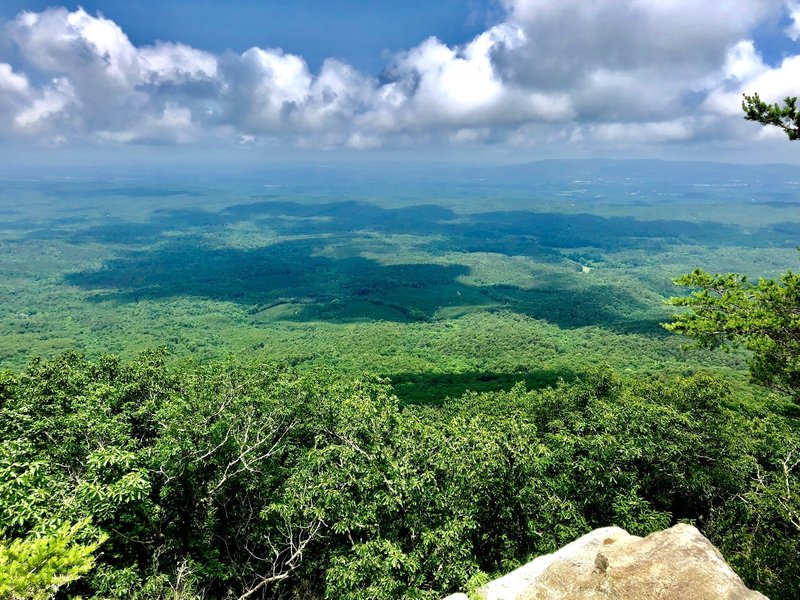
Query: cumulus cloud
793	31
663	131
14	94
11	82
49	102
94	81
633	72
772	83
176	63
636	58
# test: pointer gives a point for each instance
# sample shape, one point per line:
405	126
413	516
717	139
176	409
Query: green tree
763	317
728	310
248	481
786	117
37	566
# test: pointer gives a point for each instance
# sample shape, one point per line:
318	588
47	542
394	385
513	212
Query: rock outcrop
610	564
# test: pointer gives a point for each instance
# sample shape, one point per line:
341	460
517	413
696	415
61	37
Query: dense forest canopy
229	479
493	432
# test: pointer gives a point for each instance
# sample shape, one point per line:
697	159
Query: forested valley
318	384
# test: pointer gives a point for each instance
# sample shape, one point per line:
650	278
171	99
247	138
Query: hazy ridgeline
526	390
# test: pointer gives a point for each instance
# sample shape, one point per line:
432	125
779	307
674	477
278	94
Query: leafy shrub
252	480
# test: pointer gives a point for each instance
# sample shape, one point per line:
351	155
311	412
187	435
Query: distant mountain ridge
651	170
551	170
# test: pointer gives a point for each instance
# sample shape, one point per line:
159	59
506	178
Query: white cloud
793	31
359	141
50	102
176	63
631	60
172	126
269	85
743	62
15	91
571	72
11	82
638	133
455	83
749	75
59	41
469	135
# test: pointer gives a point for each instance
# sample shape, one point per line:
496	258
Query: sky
475	81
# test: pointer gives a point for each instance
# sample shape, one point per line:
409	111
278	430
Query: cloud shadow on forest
517	232
294	280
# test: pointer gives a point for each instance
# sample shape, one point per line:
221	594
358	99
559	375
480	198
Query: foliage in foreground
232	480
764	317
785	116
35	567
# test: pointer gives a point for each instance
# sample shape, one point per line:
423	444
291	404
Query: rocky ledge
675	564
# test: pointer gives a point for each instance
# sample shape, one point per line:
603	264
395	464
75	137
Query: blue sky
460	80
357	31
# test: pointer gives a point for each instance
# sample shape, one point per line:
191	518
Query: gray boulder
610	564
